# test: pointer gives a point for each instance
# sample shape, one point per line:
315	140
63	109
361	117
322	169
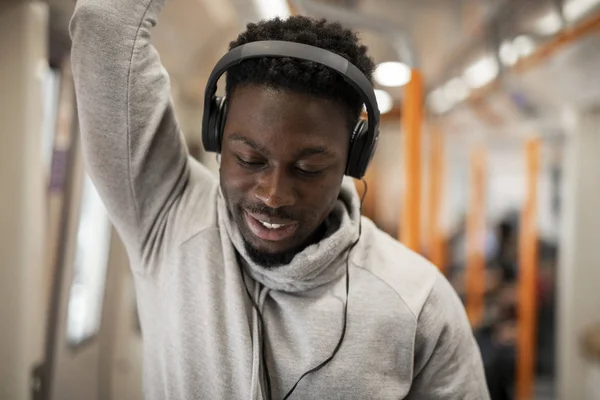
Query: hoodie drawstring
255	387
261	340
260	372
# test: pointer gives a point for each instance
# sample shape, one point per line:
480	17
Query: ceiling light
456	90
508	54
269	9
549	24
438	101
481	72
392	74
384	101
575	9
524	45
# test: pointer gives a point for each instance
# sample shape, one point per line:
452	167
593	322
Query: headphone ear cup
211	137
361	151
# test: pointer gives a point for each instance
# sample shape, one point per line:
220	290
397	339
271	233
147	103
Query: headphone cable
343	334
263	352
344	321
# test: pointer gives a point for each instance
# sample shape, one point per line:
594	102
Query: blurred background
488	165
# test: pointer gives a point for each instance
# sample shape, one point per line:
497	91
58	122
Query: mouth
270	229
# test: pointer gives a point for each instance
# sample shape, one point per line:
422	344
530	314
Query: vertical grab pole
292	8
528	272
475	270
435	234
409	230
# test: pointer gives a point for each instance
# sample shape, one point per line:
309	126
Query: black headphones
364	137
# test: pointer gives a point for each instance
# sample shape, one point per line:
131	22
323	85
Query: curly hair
303	76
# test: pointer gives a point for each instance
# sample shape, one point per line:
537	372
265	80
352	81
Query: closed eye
309	173
249	163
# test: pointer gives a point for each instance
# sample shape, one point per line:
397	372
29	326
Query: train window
90	267
51	100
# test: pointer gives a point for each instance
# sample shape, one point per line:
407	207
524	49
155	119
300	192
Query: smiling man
267	284
280	129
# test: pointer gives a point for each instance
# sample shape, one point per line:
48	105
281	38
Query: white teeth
271	226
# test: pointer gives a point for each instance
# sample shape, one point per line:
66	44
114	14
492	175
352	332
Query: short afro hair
303	76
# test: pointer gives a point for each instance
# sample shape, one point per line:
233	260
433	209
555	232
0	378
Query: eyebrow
309	151
319	150
248	142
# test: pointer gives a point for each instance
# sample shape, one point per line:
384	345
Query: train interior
487	165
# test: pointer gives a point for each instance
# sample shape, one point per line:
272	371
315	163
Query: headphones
365	134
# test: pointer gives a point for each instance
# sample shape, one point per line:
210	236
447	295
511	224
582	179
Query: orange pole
436	175
475	270
412	113
292	7
528	265
566	37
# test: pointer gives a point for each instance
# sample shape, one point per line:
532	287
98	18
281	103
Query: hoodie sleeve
448	363
133	148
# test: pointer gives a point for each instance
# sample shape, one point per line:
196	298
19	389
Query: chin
270	258
270	254
269	247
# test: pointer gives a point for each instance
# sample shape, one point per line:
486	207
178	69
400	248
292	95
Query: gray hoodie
407	335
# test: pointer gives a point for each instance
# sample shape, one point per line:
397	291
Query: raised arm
448	363
134	150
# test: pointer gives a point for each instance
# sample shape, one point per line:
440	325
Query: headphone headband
275	48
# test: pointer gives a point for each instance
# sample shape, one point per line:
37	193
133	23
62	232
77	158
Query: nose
275	189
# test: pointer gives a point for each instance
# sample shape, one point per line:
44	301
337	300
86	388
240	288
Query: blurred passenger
501	356
499	342
546	332
507	256
242	284
498	338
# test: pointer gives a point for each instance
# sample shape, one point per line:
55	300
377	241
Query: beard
269	260
260	257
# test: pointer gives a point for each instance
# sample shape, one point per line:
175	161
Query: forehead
272	116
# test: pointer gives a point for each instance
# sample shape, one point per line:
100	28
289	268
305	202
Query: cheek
234	182
324	197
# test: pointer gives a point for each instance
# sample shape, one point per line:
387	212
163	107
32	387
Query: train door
78	246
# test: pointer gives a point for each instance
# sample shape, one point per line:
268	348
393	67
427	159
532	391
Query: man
241	285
